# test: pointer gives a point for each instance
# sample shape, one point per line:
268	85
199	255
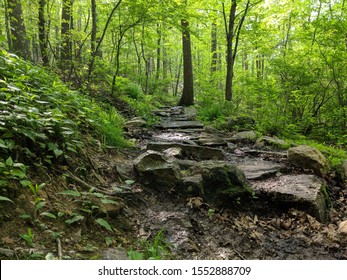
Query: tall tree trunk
20	44
94	27
230	56
66	45
158	51
43	40
214	55
187	98
231	32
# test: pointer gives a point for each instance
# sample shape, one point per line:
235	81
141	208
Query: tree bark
66	45
20	44
43	40
187	98
214	55
230	56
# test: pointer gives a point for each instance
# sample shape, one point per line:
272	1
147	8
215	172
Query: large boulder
304	191
221	182
307	157
272	142
158	170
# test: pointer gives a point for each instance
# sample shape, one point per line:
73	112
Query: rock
303	191
7	252
173	152
115	254
190	113
342	230
221	182
157	170
307	157
136	122
125	170
260	169
193	185
212	140
190	151
177	124
272	142
244	137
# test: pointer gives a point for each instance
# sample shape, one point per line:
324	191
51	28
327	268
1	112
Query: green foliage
89	206
157	249
28	237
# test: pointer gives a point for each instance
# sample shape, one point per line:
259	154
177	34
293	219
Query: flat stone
136	122
260	169
191	151
302	191
211	140
180	124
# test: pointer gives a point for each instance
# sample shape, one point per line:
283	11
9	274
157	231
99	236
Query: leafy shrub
125	87
42	121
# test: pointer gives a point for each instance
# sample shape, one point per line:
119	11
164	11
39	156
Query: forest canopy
280	62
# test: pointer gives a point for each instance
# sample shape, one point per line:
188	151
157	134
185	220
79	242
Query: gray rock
211	140
115	254
308	157
244	137
7	252
303	191
180	124
136	122
260	169
190	151
193	185
189	113
173	152
221	182
157	170
272	141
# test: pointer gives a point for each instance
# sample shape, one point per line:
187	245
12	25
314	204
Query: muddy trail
244	228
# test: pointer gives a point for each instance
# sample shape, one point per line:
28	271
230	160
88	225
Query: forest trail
255	229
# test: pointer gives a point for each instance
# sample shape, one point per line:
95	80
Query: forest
74	72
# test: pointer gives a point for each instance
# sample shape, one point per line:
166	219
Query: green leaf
129	182
109	201
104	224
57	152
70	192
75	219
3	198
135	255
40	205
9	161
18	173
48	215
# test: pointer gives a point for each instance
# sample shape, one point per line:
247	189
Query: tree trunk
43	40
230	56
66	45
187	98
94	27
20	44
214	55
157	75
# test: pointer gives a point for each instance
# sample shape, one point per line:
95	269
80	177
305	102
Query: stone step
180	124
190	151
303	191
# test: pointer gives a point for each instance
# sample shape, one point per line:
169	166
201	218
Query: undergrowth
42	122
